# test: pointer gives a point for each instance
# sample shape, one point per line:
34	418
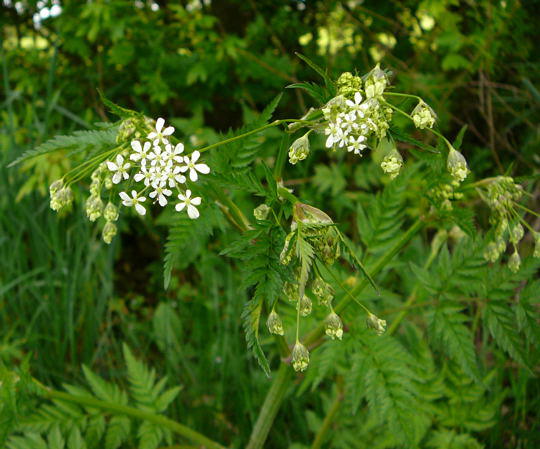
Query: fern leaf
104	390
77	142
117	432
447	325
251	316
150	435
141	378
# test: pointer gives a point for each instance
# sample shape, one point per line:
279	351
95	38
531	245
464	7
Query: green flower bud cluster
378	325
109	231
376	82
323	291
300	357
299	149
443	195
61	196
514	262
457	165
392	163
347	84
261	212
94	207
126	131
274	324
501	193
423	116
334	326
494	250
305	305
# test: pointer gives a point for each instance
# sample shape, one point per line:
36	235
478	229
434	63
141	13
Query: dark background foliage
208	67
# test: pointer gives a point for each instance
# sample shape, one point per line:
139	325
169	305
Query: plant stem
115	408
377	267
270	407
321	434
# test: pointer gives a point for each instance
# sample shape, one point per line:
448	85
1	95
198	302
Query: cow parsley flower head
193	167
457	165
392	163
119	169
423	116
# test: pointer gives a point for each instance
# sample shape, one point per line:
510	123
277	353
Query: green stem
270	407
397	94
377	267
115	408
249	133
321	434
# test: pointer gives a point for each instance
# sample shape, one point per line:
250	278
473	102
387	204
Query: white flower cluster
160	168
352	121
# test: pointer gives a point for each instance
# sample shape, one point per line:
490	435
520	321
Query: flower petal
196	201
202	168
179	148
111	166
168	131
162	200
140	209
119	160
117	177
136	145
192	212
124	196
159	124
193	174
195	156
180	207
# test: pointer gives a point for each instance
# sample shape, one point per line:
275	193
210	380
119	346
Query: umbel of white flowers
153	167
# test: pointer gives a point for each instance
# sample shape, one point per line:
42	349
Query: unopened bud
378	325
109	231
514	262
305	305
274	323
392	163
423	116
299	149
516	233
261	212
111	212
323	291
300	357
334	326
457	165
94	207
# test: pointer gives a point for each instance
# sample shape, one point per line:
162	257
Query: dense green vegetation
387	299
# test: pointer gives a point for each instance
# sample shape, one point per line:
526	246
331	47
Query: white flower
193	167
134	200
187	201
175	176
120	168
148	174
162	194
141	152
160	134
356	106
356	145
157	157
334	133
175	154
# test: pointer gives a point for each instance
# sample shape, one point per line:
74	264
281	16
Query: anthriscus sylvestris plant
302	268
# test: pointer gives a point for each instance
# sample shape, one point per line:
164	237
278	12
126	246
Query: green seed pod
300	357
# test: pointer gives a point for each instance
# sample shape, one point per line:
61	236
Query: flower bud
323	291
392	163
299	149
274	323
305	305
94	207
56	186
514	262
287	252
261	212
126	130
334	326
348	84
379	326
61	199
423	116
376	82
300	357
516	233
111	212
457	165
291	291
332	109
109	231
492	253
